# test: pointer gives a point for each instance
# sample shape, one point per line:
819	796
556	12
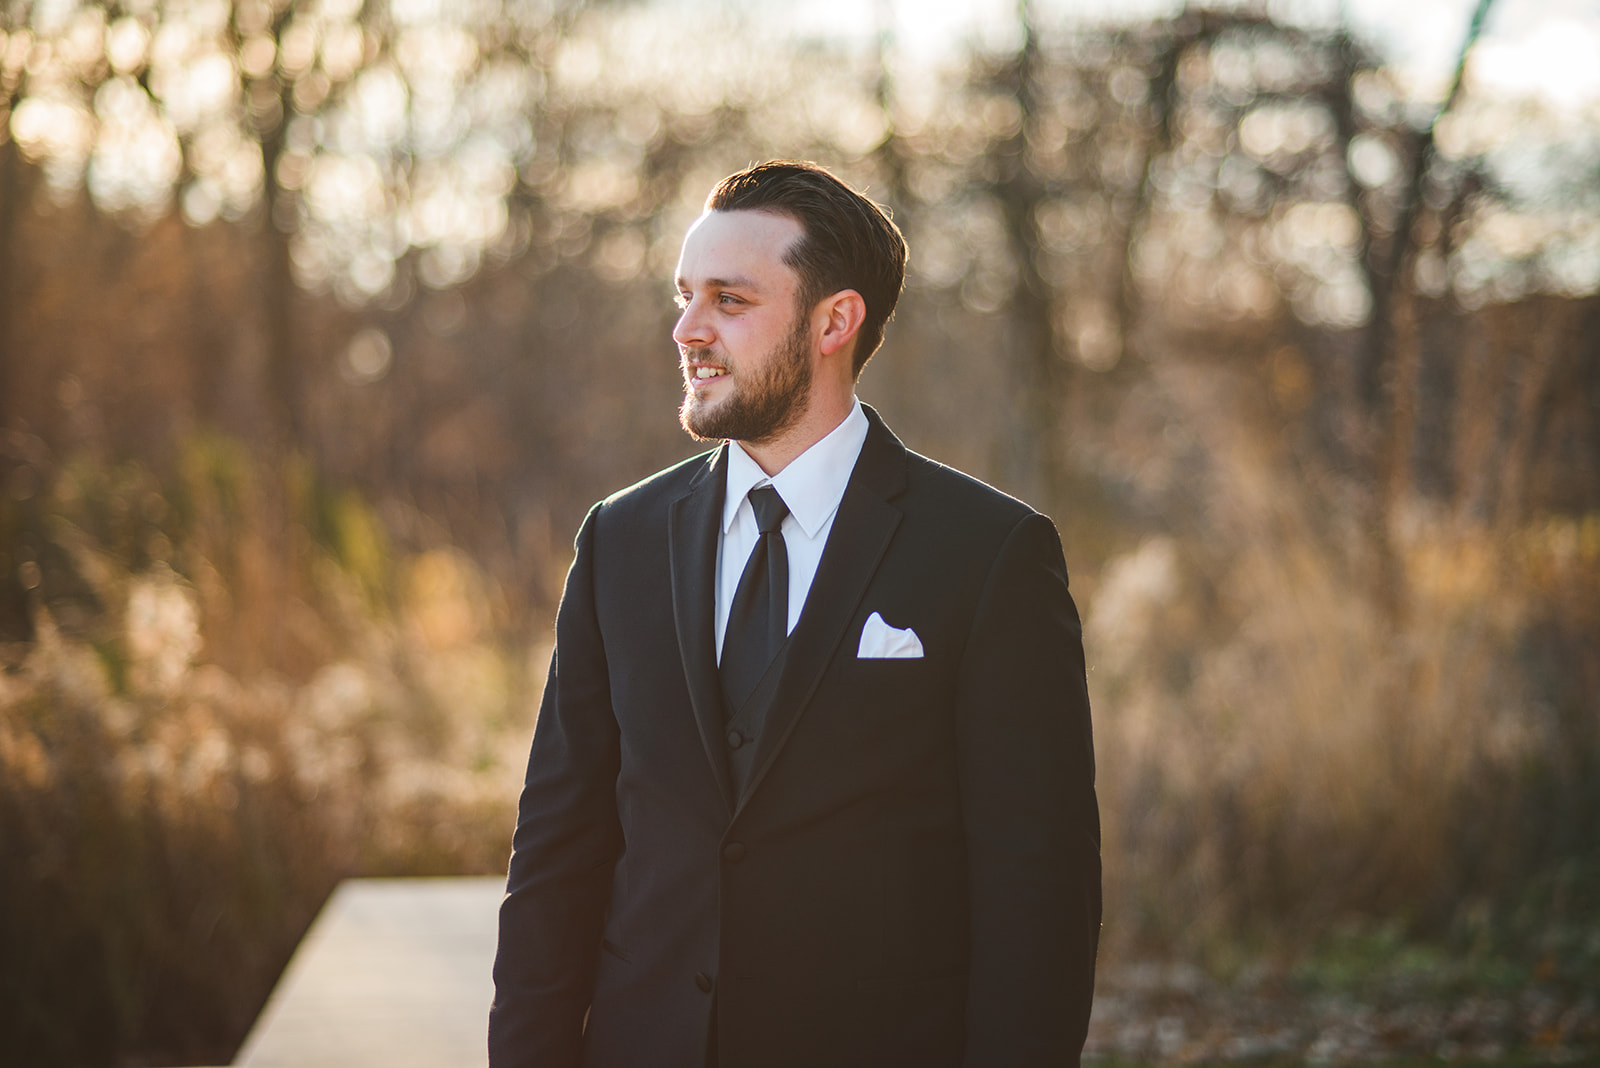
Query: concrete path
393	973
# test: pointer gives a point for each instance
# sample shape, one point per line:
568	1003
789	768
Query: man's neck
818	421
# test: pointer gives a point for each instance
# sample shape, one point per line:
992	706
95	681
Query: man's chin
727	422
696	421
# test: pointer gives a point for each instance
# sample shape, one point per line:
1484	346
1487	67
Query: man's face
744	344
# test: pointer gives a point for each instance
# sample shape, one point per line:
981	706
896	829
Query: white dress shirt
812	486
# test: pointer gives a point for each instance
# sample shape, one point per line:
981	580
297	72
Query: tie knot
769	507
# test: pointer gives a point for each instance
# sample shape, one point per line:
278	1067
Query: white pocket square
879	641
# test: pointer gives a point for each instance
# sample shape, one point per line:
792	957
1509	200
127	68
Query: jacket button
735	739
703	981
733	852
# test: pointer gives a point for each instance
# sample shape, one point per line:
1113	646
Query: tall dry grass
1284	761
239	688
236	693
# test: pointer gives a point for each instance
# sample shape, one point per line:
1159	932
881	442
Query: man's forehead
746	242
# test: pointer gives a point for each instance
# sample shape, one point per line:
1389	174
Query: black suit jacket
912	875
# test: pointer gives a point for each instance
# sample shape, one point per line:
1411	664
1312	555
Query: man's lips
700	375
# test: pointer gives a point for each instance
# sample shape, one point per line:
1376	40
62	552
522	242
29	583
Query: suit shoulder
659	489
666	483
960	492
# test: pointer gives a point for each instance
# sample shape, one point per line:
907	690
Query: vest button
703	981
733	852
735	739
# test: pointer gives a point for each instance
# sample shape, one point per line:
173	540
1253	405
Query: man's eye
681	300
728	298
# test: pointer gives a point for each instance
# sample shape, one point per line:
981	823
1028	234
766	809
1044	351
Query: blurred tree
1146	180
1021	191
1391	358
15	44
11	64
352	134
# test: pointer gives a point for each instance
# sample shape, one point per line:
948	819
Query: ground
1176	1014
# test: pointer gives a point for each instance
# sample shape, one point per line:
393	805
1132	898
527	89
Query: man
812	782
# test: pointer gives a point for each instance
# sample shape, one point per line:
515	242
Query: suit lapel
861	533
692	528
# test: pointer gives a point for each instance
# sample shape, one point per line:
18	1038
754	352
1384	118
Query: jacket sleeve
566	844
1032	823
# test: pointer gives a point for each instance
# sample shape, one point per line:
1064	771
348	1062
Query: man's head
846	241
746	349
784	284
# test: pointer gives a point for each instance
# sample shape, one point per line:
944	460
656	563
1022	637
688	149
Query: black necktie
758	619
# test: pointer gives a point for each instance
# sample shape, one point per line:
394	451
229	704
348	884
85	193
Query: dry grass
223	710
238	691
1281	757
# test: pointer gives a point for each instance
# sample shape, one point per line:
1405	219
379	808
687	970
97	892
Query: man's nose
693	328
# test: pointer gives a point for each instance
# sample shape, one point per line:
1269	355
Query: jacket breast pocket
890	697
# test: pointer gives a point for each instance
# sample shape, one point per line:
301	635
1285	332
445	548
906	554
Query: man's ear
841	316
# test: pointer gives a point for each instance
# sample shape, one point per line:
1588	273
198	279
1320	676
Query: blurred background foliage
321	324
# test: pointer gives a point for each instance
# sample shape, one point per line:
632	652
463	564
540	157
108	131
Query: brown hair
847	241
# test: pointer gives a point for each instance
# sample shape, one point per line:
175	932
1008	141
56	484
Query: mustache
704	357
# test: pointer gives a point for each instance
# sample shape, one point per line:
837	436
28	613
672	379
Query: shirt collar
813	483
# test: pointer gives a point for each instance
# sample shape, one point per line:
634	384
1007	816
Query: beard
763	403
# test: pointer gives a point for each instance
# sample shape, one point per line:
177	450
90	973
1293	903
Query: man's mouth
701	374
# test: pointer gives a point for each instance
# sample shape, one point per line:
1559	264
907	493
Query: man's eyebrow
736	282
